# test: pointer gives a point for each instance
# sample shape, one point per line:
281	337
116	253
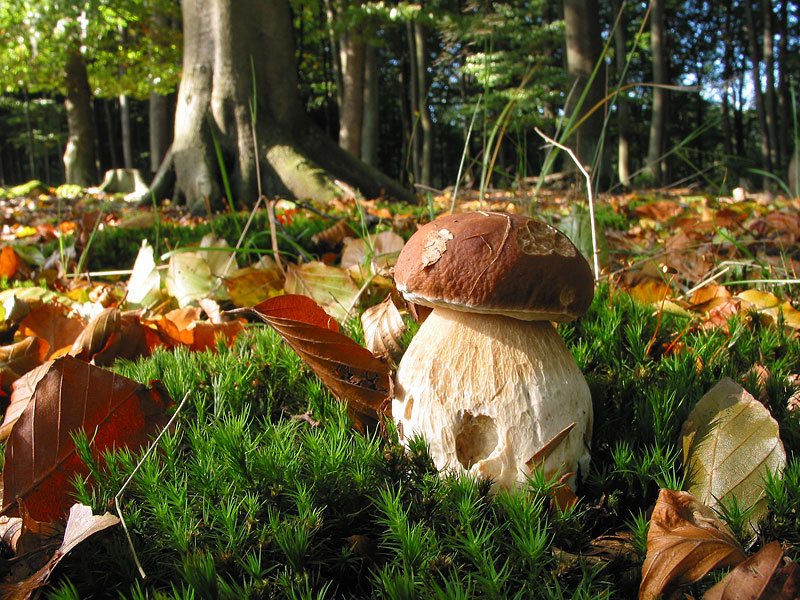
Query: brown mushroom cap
492	262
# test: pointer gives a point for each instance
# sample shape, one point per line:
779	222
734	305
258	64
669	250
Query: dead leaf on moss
766	575
17	359
383	330
685	541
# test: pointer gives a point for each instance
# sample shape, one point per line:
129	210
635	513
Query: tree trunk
784	93
370	122
160	124
658	122
29	136
352	57
584	48
79	156
125	131
214	98
426	124
413	95
755	60
620	55
770	108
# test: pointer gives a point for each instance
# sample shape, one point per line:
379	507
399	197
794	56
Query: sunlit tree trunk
160	124
620	55
125	131
352	56
216	91
426	124
79	156
658	122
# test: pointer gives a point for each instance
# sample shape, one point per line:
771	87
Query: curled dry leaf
763	576
351	372
17	359
685	541
21	393
80	525
51	323
730	443
383	330
95	335
40	456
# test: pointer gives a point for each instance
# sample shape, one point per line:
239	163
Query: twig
574	158
130	477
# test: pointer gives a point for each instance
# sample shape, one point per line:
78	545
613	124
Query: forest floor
694	290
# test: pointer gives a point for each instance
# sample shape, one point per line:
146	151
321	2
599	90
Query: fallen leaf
685	541
763	576
51	323
188	278
351	372
21	392
383	330
730	444
81	524
9	262
334	235
17	359
382	250
144	286
772	306
96	334
249	286
40	456
330	287
435	245
183	326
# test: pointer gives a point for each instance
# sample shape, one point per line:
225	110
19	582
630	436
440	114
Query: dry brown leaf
383	330
95	335
17	359
21	393
9	262
51	323
334	235
763	576
40	456
348	370
685	541
81	524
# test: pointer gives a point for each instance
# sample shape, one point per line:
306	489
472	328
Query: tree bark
298	160
584	47
620	55
125	131
658	122
426	124
784	93
755	60
352	57
371	118
770	107
160	123
79	156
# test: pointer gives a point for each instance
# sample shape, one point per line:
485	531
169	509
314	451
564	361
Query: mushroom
487	380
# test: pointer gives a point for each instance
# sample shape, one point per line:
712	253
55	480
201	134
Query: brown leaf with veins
383	330
351	372
763	576
51	323
21	393
17	359
685	541
95	335
40	456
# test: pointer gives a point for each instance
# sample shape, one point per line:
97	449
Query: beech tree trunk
370	120
620	52
79	157
214	100
160	124
658	122
770	107
755	61
352	52
584	46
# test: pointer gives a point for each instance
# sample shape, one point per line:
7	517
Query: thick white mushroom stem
487	392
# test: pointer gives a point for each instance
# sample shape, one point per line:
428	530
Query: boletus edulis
487	380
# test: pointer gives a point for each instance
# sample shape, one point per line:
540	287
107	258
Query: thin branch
595	251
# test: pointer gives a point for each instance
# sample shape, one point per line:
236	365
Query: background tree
249	106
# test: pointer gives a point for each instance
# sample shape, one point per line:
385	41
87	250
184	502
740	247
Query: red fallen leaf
129	341
51	323
685	541
661	210
17	359
40	457
763	576
183	327
9	262
351	372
